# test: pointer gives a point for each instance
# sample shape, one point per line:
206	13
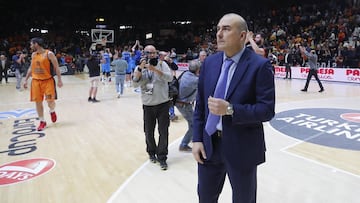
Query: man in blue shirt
18	61
187	94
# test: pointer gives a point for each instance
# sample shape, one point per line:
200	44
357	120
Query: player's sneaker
41	126
53	117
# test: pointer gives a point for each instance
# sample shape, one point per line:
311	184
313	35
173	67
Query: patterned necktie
212	119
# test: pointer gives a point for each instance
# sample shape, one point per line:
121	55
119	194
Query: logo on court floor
17	113
24	137
23	170
354	117
338	128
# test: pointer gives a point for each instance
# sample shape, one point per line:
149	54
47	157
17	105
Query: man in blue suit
235	145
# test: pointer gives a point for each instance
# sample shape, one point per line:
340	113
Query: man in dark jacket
4	66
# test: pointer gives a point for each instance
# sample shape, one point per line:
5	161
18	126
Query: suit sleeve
258	104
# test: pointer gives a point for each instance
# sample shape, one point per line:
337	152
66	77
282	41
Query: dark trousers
5	74
211	177
288	71
160	114
313	72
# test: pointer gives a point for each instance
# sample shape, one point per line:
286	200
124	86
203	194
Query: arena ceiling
81	14
140	10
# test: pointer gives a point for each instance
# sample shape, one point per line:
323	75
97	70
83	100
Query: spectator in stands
202	56
257	43
173	55
189	55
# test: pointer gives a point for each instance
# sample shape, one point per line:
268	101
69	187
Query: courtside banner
327	74
183	66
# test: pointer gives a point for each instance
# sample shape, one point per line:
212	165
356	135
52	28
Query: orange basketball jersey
40	66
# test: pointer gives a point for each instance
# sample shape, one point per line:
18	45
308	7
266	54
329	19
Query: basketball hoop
101	36
102	41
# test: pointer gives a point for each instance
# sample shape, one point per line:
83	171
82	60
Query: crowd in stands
332	28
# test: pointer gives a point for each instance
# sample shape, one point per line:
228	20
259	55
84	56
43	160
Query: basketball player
105	65
43	83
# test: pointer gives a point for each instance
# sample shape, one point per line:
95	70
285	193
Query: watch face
229	110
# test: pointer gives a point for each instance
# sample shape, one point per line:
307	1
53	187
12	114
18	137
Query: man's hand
217	106
25	84
198	152
249	36
151	67
59	83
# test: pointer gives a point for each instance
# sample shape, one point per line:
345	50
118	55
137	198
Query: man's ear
243	35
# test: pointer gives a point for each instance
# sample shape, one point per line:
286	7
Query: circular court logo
353	117
339	128
23	170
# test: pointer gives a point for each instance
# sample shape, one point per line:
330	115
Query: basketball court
95	152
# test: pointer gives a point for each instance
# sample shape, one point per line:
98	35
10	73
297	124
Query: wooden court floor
98	151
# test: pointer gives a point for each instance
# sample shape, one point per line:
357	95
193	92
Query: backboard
101	36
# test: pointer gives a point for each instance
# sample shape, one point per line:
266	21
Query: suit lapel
240	70
214	74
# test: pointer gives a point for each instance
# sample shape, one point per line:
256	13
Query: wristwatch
230	110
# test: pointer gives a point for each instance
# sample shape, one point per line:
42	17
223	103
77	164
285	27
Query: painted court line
128	180
297	142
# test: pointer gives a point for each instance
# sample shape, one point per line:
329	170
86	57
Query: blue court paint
19	113
338	128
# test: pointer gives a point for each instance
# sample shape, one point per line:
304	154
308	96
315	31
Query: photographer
153	76
18	61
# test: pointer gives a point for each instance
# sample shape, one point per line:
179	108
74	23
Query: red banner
327	74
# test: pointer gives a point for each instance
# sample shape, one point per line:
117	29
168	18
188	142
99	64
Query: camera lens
153	61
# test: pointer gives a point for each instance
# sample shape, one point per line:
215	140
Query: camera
153	61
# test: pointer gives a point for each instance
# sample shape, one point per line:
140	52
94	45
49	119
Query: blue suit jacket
252	94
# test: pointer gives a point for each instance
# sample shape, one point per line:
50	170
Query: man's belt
184	103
